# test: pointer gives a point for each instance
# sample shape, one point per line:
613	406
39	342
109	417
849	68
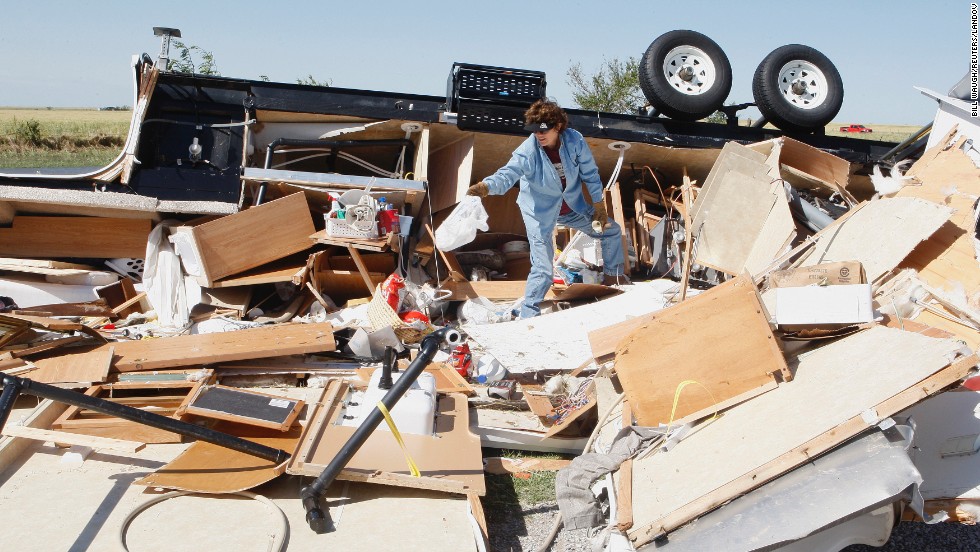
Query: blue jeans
541	277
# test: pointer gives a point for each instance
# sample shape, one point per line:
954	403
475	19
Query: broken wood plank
84	367
62	437
249	343
723	362
41	417
613	198
624	487
250	238
755	442
75	237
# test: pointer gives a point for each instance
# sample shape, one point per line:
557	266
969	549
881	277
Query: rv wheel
797	88
685	75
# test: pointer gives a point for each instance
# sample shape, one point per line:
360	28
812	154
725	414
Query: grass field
35	138
63	137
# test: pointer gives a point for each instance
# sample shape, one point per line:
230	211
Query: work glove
600	217
480	189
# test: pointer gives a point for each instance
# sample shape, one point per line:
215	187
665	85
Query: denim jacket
540	189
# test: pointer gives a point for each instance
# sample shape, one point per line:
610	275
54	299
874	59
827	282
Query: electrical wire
278	543
201	125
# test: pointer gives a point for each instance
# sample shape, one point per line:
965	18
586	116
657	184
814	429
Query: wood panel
719	339
85	367
878	372
76	237
251	238
250	343
450	460
65	438
208	468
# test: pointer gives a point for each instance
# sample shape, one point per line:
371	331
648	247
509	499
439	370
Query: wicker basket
381	315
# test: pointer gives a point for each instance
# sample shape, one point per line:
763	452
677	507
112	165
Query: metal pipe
334	145
317	518
387	363
10	392
12	385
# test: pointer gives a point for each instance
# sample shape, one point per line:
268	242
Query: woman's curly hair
546	111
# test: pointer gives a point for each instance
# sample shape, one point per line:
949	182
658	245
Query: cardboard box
841	273
810	306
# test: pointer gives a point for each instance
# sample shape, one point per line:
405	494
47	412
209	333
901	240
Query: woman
549	165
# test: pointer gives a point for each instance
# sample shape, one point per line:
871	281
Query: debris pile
780	312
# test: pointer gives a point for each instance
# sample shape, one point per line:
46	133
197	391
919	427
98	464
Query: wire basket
381	315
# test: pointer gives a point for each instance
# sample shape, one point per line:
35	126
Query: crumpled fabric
579	507
163	279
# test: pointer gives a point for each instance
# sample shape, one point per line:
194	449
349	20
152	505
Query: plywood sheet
208	468
87	367
696	340
75	237
874	373
250	343
559	340
450	460
880	235
256	236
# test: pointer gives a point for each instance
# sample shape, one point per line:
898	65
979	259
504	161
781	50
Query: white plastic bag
460	227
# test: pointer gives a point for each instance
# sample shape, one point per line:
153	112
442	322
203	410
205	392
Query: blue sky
76	54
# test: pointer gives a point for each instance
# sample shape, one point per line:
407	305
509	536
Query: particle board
235	243
449	461
208	468
249	343
75	237
839	390
694	340
901	223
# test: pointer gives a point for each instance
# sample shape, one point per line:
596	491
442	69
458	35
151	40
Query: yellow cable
414	469
677	396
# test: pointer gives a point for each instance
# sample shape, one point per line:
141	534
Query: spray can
462	360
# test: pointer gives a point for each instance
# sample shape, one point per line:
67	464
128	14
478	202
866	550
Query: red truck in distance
855	128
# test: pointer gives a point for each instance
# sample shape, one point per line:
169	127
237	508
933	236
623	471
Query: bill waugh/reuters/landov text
973	60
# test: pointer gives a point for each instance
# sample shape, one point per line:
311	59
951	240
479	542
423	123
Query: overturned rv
747	388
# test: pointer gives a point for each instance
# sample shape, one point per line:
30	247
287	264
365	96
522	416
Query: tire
797	88
685	75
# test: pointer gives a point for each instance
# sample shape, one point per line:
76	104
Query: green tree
614	88
185	62
309	80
